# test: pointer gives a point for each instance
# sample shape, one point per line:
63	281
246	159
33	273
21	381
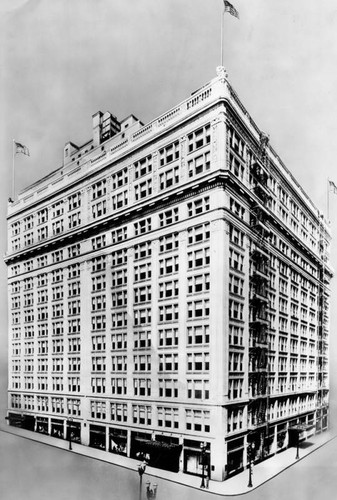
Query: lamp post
251	449
70	419
203	453
298	445
151	492
141	470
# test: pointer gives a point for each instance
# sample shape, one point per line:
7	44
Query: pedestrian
206	478
206	482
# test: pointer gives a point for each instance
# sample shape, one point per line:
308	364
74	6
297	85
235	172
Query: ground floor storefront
216	459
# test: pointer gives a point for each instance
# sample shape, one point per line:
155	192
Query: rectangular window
120	234
57	227
168	217
118	386
237	208
198	258
98	189
74	344
168	337
143	167
143	226
142	387
98	209
74	307
74	220
120	178
98	323
197	420
74	326
169	153
168	362
198	234
98	263
198	334
119	319
142	339
141	415
143	189
98	409
198	389
119	363
168	417
143	250
74	271
57	209
169	178
98	342
118	341
168	242
169	312
168	388
119	412
98	242
236	236
168	265
98	364
119	278
142	294
198	206
142	272
120	200
42	261
98	303
199	283
199	164
235	335
119	299
199	138
42	216
235	390
98	283
198	361
74	201
142	362
168	289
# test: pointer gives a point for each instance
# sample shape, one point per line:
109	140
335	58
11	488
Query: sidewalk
236	485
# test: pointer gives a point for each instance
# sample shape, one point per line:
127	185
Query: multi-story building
169	292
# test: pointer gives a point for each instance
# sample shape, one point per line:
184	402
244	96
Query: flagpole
222	34
13	172
328	201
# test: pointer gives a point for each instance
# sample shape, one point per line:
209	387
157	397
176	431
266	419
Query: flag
231	9
20	148
333	187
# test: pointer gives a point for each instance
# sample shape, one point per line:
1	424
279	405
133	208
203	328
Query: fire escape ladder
259	299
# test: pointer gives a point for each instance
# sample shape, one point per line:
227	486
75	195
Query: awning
301	427
303	431
148	445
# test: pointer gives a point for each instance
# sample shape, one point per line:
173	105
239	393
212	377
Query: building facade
169	293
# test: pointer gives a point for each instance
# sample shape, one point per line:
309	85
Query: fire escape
322	337
259	307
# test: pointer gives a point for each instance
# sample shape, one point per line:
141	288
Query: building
169	293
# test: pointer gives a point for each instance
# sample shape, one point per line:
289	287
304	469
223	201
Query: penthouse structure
168	293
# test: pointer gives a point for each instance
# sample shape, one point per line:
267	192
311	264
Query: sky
62	61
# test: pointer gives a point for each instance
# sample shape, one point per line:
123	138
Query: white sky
61	61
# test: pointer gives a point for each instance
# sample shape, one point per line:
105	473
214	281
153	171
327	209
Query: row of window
240	158
140	227
196	420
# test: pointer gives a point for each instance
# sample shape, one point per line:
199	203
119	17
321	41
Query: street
35	471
